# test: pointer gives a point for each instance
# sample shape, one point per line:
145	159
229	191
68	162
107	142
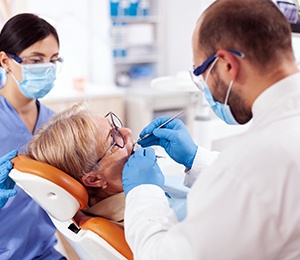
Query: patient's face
111	165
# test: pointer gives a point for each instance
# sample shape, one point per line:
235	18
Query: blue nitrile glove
6	183
173	137
141	168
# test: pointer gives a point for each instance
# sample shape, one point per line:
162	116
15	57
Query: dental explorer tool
160	126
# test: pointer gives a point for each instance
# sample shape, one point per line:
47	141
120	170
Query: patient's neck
97	195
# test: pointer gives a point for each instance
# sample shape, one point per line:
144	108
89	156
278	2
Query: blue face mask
38	79
221	110
2	77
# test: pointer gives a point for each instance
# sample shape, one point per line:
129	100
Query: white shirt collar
274	93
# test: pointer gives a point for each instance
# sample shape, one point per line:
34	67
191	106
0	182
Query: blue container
114	6
141	71
133	7
143	7
124	7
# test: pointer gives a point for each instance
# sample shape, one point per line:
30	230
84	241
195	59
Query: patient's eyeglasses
118	139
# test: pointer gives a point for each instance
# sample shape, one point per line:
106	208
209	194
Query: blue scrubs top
26	231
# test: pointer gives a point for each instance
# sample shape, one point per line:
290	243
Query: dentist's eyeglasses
198	81
196	74
117	138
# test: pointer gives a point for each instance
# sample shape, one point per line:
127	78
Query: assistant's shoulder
2	103
6	109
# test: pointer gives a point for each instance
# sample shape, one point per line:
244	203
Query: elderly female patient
93	150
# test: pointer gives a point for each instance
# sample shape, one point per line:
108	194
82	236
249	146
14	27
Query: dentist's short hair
255	27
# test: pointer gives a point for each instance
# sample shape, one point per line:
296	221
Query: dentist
245	205
29	55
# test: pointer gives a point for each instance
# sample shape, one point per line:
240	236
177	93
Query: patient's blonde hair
68	141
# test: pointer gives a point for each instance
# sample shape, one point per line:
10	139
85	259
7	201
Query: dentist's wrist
189	164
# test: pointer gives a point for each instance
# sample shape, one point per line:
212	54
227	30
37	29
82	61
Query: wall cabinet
137	41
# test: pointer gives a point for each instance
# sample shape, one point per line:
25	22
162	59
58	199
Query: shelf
136	19
137	45
136	59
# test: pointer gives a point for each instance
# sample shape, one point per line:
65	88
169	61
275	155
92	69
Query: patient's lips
135	146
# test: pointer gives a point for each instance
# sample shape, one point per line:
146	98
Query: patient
93	150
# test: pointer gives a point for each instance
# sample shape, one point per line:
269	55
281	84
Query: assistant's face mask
2	77
38	79
221	110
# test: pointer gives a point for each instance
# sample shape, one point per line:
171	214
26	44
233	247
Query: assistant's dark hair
255	27
23	30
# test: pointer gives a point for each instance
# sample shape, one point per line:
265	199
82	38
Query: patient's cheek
113	165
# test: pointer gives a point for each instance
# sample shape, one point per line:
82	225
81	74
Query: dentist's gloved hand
173	137
141	168
6	183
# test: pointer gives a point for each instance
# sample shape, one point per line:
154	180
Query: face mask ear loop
211	67
228	91
13	77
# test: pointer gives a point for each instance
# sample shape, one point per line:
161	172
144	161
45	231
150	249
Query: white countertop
60	92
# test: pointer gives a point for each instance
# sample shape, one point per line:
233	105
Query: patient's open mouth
136	146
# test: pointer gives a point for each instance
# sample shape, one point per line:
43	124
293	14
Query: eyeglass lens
116	135
116	121
198	81
40	60
117	138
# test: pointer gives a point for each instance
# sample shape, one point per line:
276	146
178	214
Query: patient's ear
93	179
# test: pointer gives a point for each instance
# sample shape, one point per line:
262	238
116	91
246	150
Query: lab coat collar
281	91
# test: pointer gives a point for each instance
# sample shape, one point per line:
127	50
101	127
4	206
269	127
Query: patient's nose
125	132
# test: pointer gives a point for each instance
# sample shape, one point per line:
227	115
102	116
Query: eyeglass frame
204	66
114	131
21	60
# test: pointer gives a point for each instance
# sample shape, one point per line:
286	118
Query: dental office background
113	49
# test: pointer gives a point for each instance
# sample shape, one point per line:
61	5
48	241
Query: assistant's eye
34	60
56	60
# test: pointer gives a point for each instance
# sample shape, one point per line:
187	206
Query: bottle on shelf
133	7
143	8
124	6
114	6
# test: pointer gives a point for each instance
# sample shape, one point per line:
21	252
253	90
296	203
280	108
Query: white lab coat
244	206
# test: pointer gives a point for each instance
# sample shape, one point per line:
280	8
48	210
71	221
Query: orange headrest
24	163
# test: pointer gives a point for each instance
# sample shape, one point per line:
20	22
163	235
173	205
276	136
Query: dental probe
160	126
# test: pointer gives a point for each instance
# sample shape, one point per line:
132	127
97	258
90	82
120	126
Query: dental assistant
29	54
245	205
